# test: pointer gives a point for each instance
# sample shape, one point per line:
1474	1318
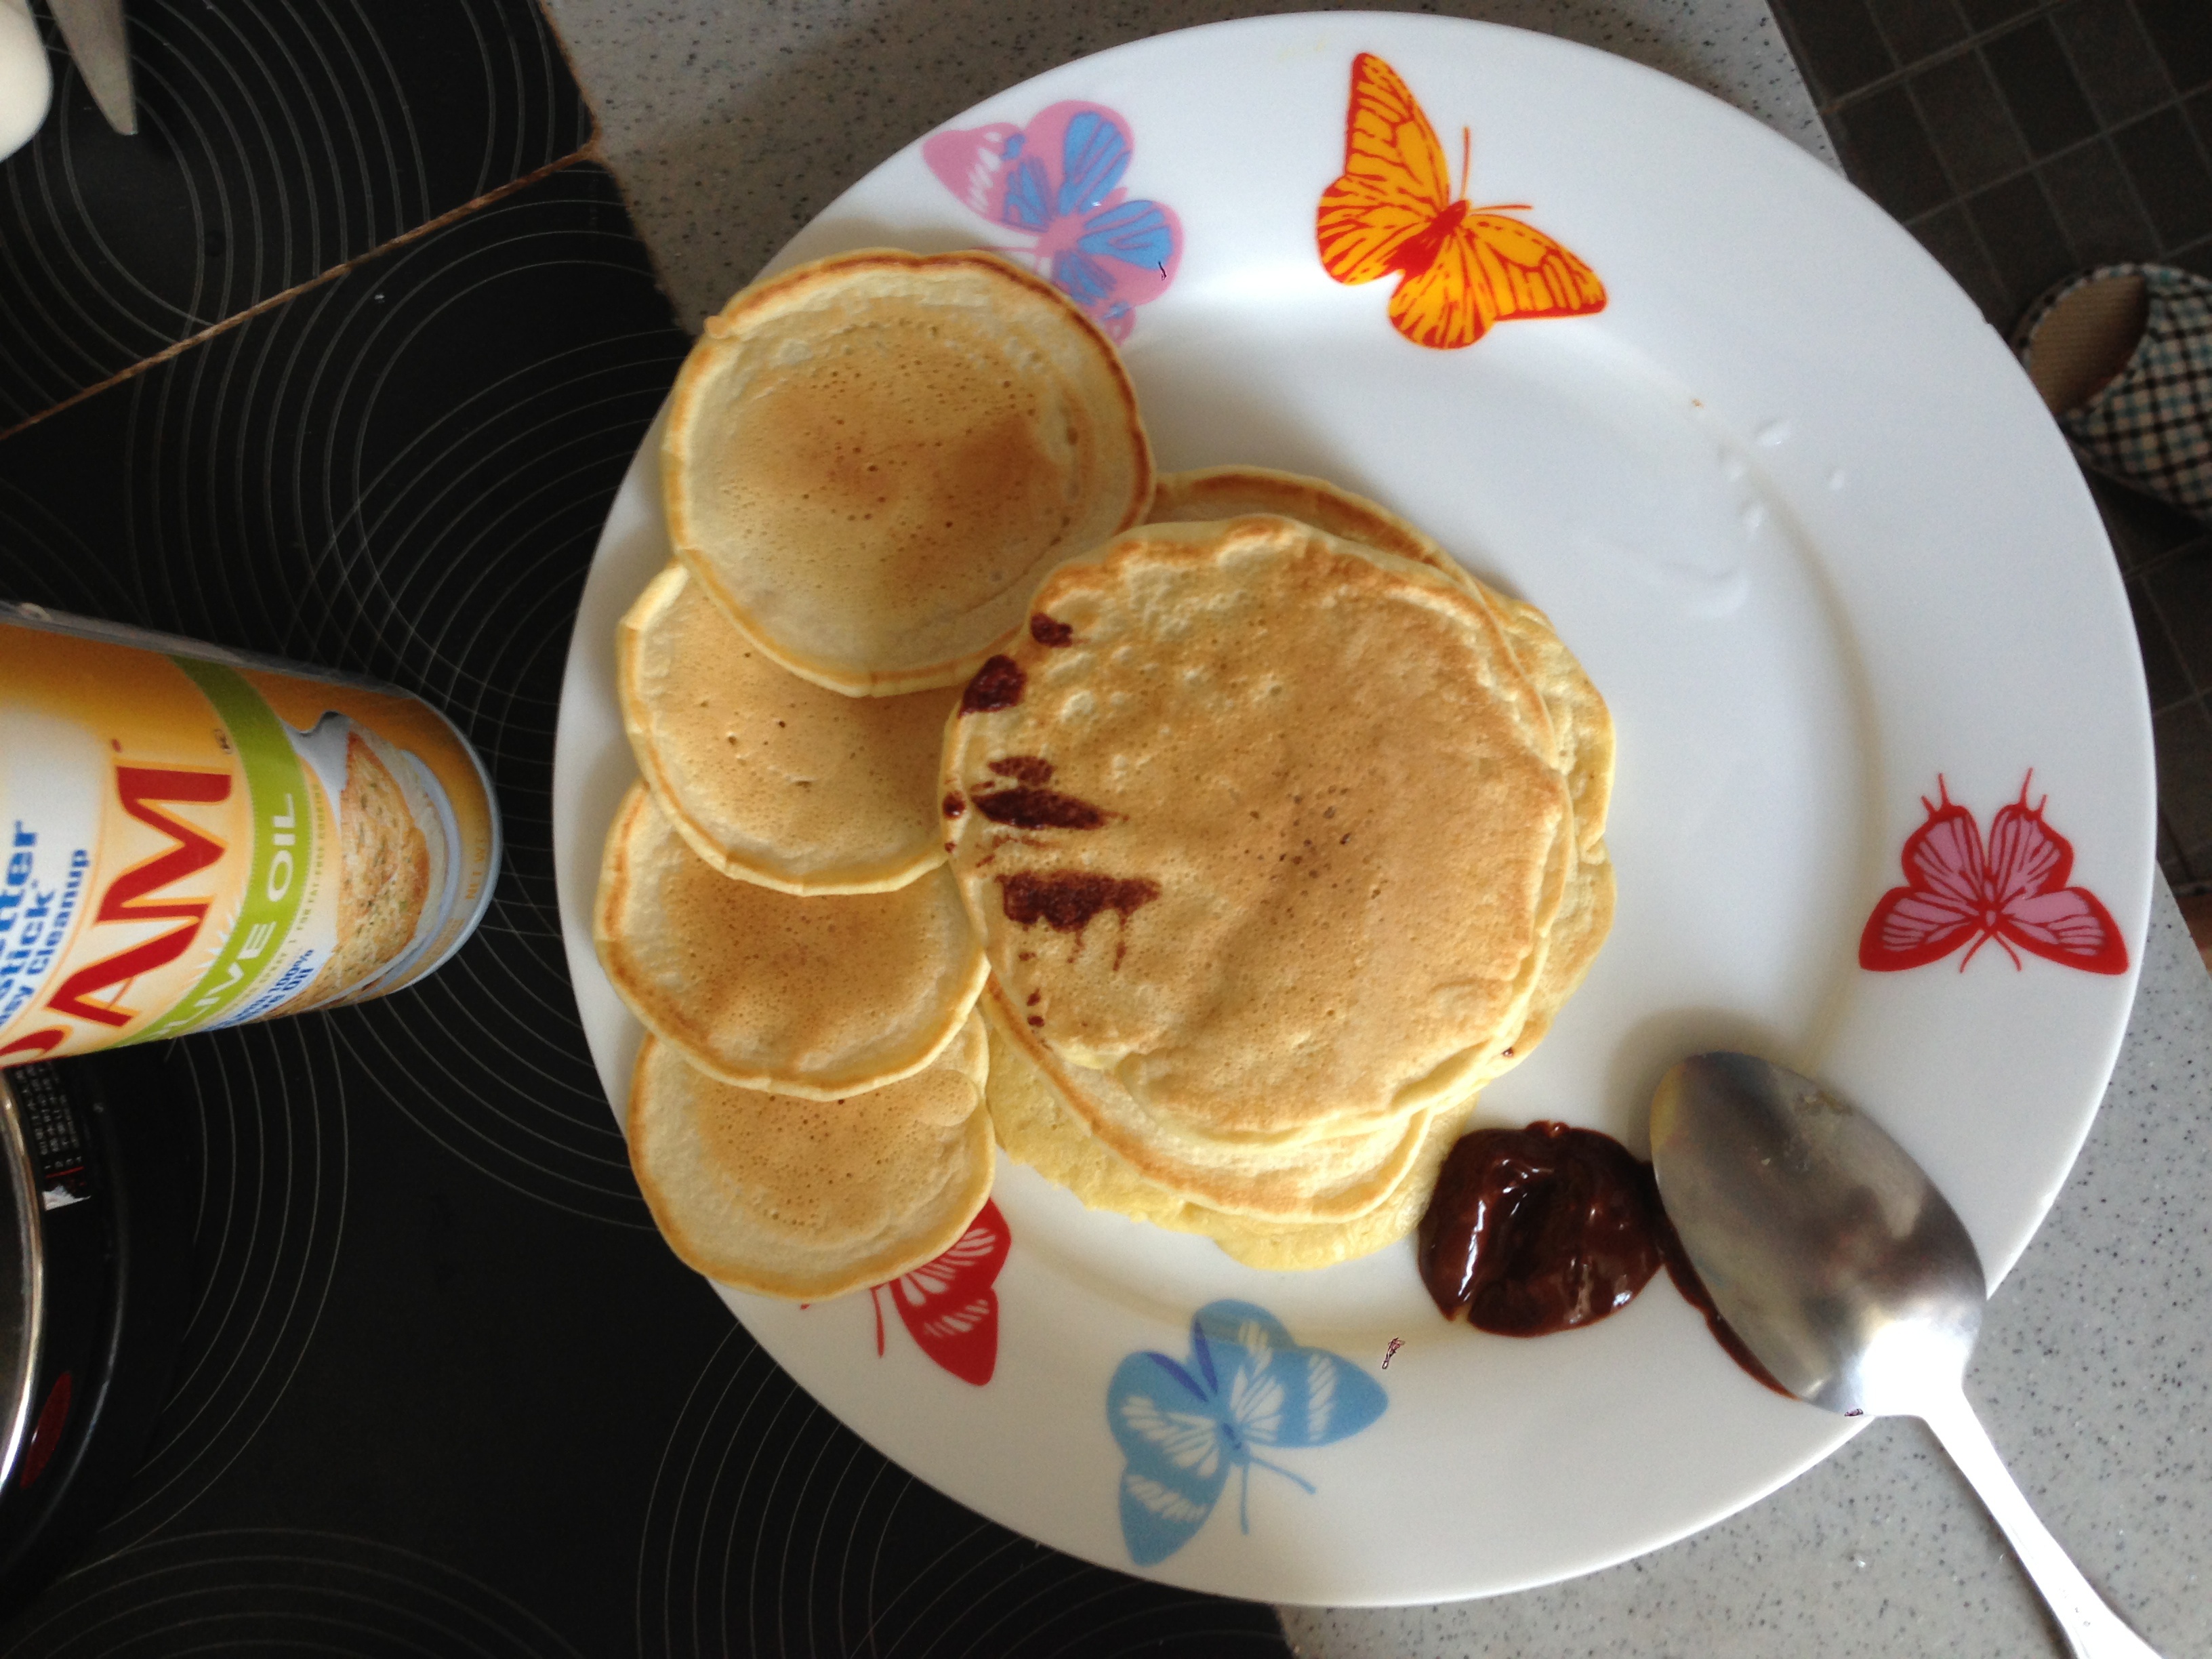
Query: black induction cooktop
343	358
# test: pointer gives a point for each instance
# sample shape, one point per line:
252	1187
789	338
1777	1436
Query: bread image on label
383	874
195	838
397	874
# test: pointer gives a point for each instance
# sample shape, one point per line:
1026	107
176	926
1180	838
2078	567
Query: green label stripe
283	848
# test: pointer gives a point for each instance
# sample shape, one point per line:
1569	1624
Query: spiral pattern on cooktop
277	139
774	1529
269	1110
280	1590
310	483
426	1312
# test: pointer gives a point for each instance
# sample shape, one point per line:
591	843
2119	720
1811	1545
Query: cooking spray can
193	837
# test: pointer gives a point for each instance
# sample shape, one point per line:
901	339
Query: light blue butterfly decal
1184	1426
1058	181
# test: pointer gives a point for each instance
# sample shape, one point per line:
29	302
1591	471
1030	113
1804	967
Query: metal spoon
1846	1274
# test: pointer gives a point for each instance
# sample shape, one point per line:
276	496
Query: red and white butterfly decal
2014	891
947	1302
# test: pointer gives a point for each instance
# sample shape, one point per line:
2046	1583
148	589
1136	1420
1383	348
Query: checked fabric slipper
2122	356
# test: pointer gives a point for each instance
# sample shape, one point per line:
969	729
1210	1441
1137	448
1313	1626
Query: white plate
1805	522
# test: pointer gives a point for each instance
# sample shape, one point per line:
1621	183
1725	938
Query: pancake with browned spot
870	460
1582	725
1271	830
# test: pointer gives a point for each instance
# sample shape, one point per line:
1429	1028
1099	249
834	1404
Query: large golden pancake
770	777
871	459
1037	1127
1580	720
817	997
1317	794
1580	723
1584	919
1213	493
1320	1165
1320	1178
1302	1246
805	1198
1080	1130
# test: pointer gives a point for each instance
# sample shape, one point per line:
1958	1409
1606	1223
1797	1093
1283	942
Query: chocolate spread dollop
1544	1229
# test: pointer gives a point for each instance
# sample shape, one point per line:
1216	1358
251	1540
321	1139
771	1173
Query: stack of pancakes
1266	834
1291	839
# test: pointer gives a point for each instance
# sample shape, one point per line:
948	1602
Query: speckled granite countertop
731	126
732	123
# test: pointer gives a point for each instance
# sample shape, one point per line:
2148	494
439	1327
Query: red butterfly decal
948	1304
2014	892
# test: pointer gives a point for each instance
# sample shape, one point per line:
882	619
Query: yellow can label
192	839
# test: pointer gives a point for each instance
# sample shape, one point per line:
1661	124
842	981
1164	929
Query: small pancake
1319	795
1332	1177
805	1198
1037	1127
817	997
870	460
771	778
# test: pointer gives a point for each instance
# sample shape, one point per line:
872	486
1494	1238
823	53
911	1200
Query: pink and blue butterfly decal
1185	1426
1058	182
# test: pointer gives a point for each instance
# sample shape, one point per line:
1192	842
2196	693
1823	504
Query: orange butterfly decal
1392	210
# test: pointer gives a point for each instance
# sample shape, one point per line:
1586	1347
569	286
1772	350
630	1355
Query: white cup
27	85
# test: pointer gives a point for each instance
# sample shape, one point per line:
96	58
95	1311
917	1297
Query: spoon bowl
1848	1277
1825	1246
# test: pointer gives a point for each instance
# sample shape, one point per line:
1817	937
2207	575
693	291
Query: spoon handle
2094	1629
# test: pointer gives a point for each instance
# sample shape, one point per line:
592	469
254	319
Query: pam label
284	847
190	837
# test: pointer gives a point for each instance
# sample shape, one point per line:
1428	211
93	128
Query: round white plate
1808	526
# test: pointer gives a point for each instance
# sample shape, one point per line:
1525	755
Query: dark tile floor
2021	141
